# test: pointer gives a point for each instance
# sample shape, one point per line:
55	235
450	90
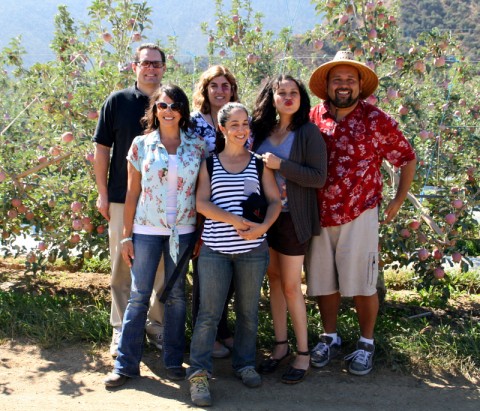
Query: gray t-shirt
281	151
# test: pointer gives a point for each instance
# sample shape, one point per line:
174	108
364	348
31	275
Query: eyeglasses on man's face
161	105
147	63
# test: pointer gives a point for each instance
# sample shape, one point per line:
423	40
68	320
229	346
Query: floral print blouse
204	129
150	157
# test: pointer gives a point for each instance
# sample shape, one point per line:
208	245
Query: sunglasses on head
173	106
147	63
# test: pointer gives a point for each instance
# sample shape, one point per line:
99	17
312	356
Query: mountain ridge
170	18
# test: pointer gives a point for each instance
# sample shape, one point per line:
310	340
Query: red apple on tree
419	66
372	34
450	218
414	225
423	254
76	206
439	273
77	224
75	238
12	213
456	257
457	203
439	61
92	115
437	254
16	202
136	36
318	44
107	37
67	137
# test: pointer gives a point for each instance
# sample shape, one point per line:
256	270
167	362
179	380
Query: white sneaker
115	340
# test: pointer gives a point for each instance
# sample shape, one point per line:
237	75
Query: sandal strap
281	342
303	352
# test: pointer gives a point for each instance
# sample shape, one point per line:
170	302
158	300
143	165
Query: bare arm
407	172
134	189
100	167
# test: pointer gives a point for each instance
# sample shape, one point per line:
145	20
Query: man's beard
340	102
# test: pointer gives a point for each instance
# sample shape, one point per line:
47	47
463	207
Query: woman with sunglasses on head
159	219
294	148
216	87
234	249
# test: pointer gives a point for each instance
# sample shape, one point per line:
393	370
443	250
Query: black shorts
282	237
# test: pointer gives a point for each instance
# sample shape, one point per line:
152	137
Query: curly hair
264	116
200	94
150	121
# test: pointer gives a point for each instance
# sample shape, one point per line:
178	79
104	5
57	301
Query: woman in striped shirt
233	249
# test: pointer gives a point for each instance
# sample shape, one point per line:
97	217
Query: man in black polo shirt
118	125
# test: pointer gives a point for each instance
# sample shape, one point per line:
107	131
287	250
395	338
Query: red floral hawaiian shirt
356	147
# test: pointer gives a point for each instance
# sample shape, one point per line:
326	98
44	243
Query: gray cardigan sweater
305	171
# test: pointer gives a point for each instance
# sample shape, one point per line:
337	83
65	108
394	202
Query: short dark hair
264	116
173	91
150	46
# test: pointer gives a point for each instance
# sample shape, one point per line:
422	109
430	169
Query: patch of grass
96	265
458	281
51	320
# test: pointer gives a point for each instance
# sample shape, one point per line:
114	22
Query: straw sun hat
318	80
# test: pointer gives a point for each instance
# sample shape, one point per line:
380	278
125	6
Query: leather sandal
295	375
270	364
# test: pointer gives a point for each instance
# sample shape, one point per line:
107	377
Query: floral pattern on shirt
356	147
204	129
150	157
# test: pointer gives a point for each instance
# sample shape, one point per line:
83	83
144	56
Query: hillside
33	20
460	17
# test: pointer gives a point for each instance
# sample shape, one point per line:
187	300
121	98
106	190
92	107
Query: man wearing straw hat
343	259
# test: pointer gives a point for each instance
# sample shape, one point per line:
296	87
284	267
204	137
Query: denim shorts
282	237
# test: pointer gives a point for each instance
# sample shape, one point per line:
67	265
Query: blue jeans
216	271
148	252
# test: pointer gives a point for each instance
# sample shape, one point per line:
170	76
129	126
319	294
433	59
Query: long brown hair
150	120
200	94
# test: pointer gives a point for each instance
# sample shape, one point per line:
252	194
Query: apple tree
48	117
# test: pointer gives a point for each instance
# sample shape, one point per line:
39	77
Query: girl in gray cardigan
294	148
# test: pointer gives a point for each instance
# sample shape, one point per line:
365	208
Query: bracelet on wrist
125	240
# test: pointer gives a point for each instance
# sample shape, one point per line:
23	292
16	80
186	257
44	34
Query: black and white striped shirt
228	191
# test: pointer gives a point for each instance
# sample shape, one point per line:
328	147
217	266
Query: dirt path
71	379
